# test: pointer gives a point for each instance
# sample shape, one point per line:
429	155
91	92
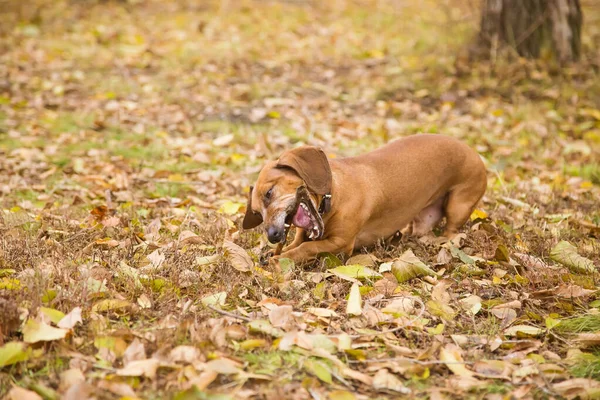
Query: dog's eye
269	194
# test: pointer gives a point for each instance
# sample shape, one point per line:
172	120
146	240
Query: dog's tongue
302	218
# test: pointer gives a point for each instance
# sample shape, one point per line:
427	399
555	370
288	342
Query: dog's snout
275	234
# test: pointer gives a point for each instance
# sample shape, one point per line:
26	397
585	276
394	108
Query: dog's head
287	191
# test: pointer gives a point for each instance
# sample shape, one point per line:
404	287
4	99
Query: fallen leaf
12	353
35	331
51	314
340	395
264	326
451	355
135	351
471	304
523	330
111	305
366	260
71	319
318	369
354	306
354	271
18	393
385	380
144	301
223	366
280	315
322	312
145	368
184	354
566	254
215	299
570	291
69	378
238	257
409	266
581	388
156	258
119	388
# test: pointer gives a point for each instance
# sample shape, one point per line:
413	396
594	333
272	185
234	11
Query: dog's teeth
287	225
310	235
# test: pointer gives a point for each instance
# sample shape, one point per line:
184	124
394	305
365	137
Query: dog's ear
251	219
311	164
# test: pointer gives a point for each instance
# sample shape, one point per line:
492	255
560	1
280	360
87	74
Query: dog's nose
275	234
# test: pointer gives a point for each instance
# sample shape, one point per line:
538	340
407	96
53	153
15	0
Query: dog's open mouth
304	215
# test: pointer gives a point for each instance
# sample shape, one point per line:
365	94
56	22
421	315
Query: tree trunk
528	26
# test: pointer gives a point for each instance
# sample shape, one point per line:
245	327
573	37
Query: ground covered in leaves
130	132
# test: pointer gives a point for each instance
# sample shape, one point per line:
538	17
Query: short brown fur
409	184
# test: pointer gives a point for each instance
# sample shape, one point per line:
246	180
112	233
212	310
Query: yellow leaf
478	214
54	315
111	305
451	355
10	284
35	331
230	208
354	306
12	353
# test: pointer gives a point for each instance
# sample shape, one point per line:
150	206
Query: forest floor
130	132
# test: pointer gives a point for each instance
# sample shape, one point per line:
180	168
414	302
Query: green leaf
566	254
355	271
319	369
458	253
12	353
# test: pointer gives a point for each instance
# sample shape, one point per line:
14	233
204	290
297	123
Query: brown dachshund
344	204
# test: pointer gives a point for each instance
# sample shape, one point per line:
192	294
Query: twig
228	314
392	359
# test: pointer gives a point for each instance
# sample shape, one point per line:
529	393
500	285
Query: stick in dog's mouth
304	215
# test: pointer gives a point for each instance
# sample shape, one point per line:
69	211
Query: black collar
325	205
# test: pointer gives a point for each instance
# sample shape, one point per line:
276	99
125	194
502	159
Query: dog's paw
265	257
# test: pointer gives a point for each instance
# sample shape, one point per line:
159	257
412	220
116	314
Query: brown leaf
146	368
18	393
135	351
238	257
280	315
578	388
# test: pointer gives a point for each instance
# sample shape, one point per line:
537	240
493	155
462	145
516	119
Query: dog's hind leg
461	203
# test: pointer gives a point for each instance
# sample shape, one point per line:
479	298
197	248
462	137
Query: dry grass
130	131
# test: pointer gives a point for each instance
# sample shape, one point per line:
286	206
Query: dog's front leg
307	251
298	239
